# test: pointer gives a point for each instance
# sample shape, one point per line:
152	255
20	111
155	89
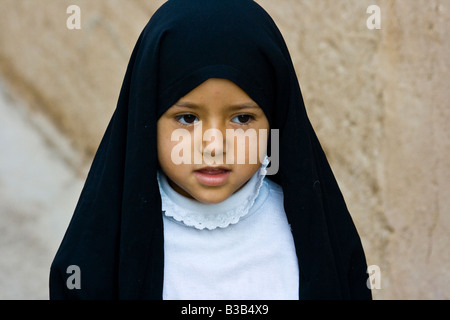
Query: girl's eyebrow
249	105
183	104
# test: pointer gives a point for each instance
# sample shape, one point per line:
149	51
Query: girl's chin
202	193
212	197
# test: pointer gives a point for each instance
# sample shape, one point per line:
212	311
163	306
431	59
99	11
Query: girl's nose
211	142
213	151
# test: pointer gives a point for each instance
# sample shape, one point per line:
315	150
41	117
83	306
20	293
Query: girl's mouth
212	176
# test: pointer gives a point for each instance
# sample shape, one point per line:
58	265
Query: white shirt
239	249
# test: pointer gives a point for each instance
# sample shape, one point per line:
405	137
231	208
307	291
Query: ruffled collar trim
200	215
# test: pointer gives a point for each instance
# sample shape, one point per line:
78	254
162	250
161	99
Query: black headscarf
115	236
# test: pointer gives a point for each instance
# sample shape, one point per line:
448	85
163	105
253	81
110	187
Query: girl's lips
212	176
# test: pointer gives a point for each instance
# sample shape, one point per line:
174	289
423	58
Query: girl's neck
210	216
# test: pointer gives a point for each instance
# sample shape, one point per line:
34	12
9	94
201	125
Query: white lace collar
211	216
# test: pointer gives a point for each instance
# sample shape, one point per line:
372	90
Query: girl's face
212	141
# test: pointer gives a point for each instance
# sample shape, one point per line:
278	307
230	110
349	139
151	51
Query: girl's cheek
176	147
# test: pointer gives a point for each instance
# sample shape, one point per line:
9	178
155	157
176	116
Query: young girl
169	212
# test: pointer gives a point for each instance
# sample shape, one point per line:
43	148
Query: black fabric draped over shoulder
116	235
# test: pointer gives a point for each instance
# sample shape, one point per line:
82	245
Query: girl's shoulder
273	187
272	194
270	206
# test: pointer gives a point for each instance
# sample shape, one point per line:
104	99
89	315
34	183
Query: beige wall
377	98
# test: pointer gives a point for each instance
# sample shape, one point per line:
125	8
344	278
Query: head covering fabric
115	236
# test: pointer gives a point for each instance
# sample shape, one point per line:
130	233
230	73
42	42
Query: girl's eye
243	119
187	119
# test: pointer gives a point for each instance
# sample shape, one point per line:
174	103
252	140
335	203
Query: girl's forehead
217	88
216	91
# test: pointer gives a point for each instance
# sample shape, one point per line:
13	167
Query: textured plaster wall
378	100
